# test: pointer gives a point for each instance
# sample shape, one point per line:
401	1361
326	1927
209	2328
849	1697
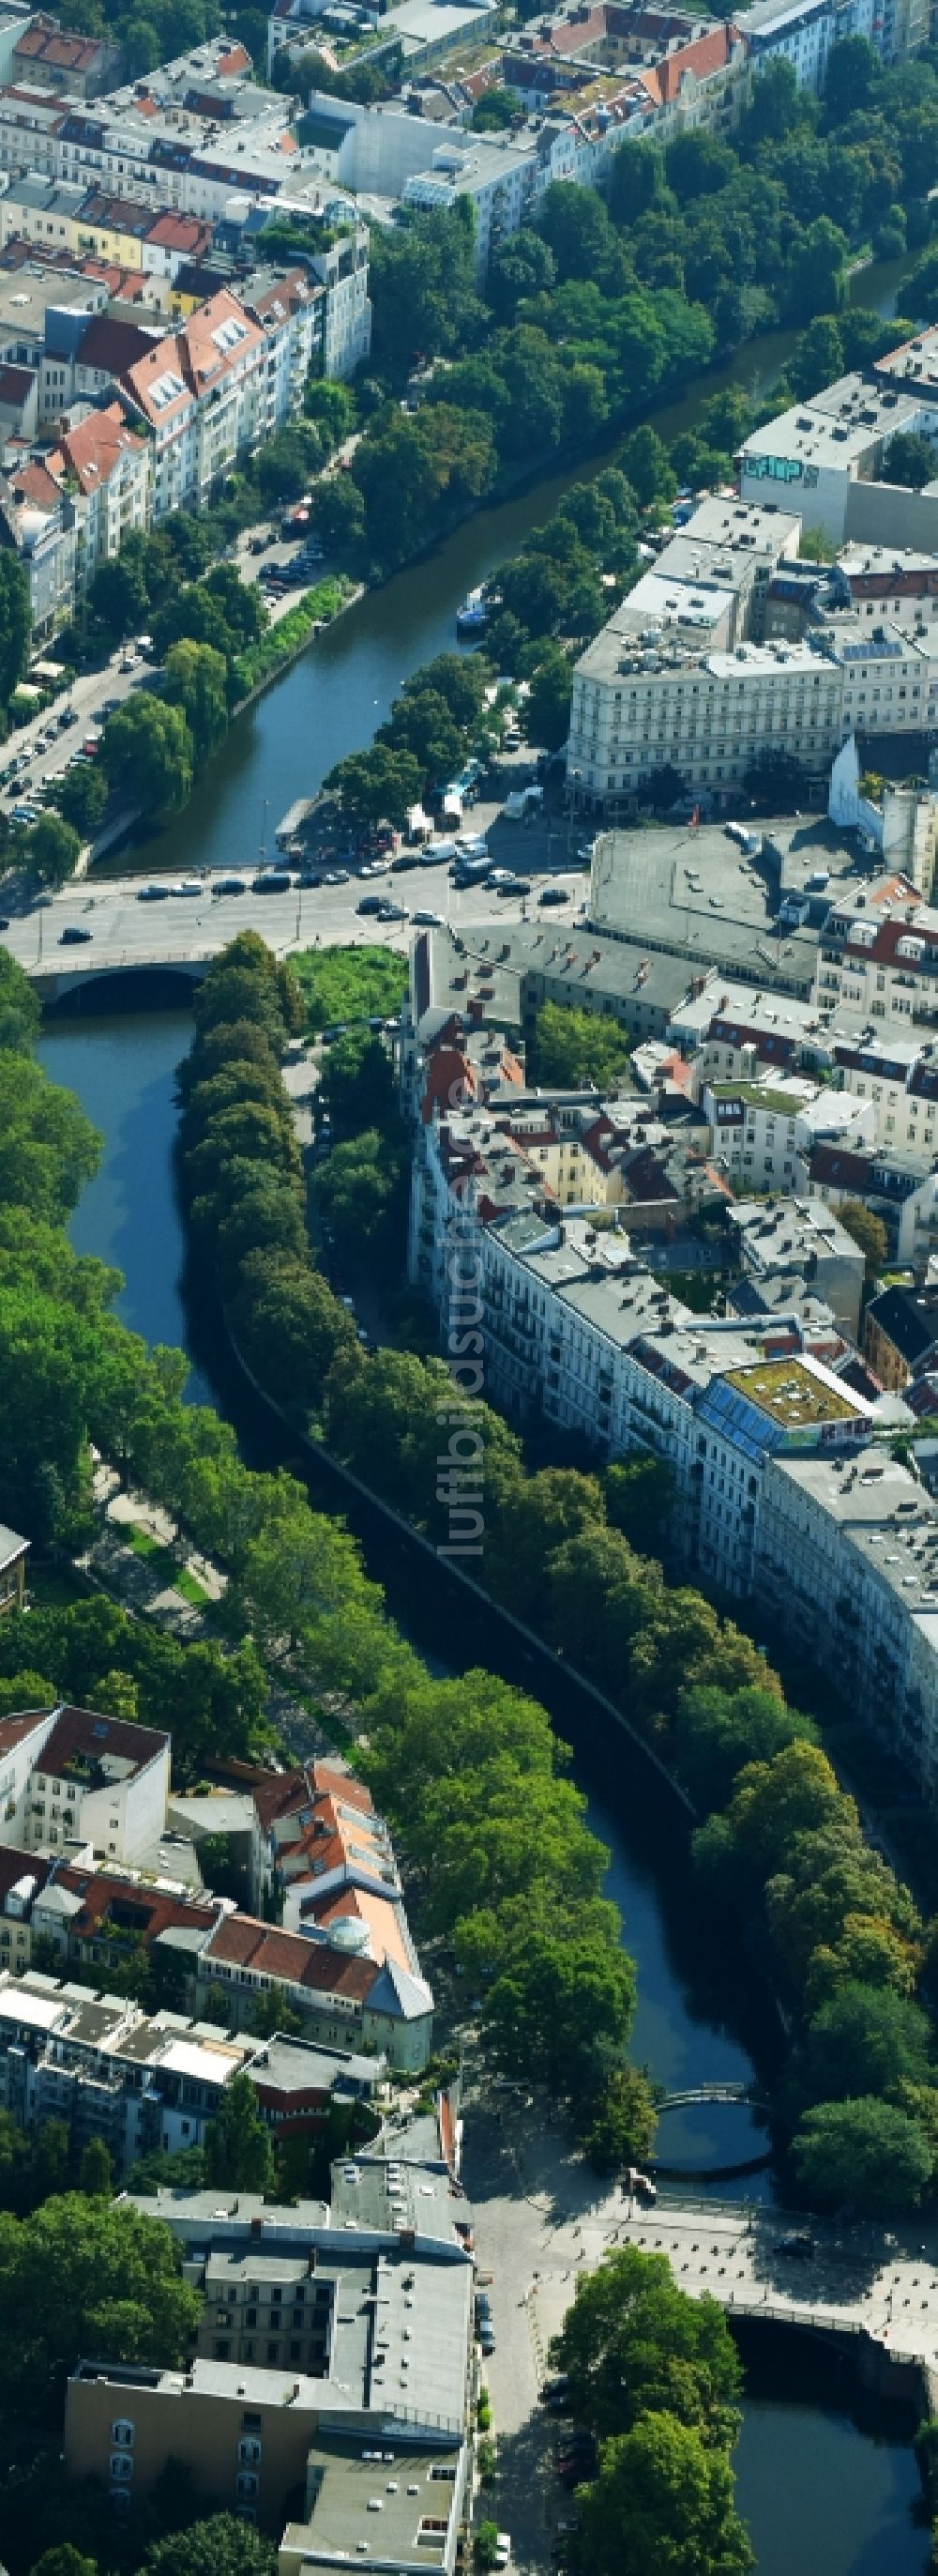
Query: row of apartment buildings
561	1212
111	416
332	2377
586	79
728	651
100	1860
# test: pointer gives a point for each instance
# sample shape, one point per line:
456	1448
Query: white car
503	2549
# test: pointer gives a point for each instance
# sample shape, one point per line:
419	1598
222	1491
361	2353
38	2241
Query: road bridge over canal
860	2282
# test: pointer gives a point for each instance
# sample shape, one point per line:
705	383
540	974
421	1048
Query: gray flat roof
694	894
379	2501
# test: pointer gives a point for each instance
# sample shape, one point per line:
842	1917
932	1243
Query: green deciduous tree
239	2153
221	2546
81	796
869	1232
661	2500
864	2154
197	682
634	2343
546	710
148	755
377	786
14	624
572	1049
52	848
19	1009
82	2276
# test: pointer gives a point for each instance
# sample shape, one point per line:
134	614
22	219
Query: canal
333	698
826	2481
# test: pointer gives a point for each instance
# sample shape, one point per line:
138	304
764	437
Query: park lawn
347	984
176	1577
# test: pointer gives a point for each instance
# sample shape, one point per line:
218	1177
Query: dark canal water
827	2483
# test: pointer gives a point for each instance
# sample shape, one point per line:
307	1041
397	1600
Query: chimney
257	2226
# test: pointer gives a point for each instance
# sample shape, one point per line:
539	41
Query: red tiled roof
180	232
100	1892
45	43
241	1941
708	55
95	448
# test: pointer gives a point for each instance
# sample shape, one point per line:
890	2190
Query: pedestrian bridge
712	2093
765	2266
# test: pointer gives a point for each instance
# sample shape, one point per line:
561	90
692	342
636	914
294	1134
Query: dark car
555	894
515	886
371	903
393	912
4	923
154	893
72	937
799	2245
229	885
272	881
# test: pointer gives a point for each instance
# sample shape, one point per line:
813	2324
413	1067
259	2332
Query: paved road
539	2217
126	931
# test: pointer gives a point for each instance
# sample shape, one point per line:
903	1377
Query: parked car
799	2245
229	885
67	717
503	2549
4	921
73	937
370	903
336	876
554	2387
393	912
515	886
188	885
26	813
272	881
427	920
555	894
155	893
259	545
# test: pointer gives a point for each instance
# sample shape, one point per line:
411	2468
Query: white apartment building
801	32
640	704
105	468
763	1129
850	1547
67	1773
822	457
679	677
498	176
879	954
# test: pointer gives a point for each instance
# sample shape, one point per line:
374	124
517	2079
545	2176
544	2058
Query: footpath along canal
826	2476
